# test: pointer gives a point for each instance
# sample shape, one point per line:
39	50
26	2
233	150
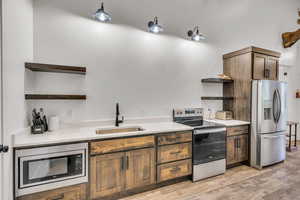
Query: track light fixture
101	15
154	27
195	35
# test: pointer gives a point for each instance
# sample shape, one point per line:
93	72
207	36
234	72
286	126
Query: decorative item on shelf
154	27
298	94
101	15
225	77
224	115
53	123
39	122
195	35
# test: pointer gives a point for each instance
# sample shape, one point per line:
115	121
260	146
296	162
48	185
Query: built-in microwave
46	168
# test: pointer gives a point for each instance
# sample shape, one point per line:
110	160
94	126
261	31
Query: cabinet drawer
174	138
174	170
174	152
116	145
238	130
77	192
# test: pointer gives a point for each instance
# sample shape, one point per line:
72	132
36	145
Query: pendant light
101	15
154	27
195	35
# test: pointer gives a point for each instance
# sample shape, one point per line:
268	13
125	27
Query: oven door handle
208	131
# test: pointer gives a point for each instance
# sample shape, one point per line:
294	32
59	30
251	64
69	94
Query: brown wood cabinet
174	155
107	174
119	167
117	145
265	67
243	66
76	192
117	172
174	170
237	145
140	168
174	152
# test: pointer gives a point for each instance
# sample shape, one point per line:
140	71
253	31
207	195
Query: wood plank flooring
278	182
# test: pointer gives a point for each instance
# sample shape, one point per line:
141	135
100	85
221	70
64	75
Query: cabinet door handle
127	162
59	197
267	73
122	163
235	143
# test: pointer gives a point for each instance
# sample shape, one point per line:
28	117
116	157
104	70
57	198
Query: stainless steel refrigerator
268	122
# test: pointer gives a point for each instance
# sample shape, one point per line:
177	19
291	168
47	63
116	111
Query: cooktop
193	117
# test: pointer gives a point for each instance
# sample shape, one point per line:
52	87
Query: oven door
45	168
209	145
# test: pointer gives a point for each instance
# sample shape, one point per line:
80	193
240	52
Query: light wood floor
281	181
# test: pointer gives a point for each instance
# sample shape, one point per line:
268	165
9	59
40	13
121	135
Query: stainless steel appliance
45	168
209	143
268	123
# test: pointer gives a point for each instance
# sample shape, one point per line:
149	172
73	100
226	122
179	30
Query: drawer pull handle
174	139
59	197
175	169
175	152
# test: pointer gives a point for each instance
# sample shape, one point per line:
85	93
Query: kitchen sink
119	130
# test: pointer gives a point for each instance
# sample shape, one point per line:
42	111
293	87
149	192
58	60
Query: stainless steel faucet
118	122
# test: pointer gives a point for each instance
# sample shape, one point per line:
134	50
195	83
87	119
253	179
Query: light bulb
101	15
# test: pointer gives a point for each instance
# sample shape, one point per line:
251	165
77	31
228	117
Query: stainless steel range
209	143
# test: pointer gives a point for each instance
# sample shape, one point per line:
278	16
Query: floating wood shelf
55	68
217	98
54	97
216	80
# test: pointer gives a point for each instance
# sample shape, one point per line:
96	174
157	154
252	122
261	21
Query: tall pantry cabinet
243	66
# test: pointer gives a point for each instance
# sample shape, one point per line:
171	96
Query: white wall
148	74
17	48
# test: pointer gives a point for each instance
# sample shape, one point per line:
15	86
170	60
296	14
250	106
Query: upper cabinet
264	62
243	66
265	67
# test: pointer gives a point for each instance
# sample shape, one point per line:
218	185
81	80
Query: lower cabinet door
243	146
231	150
107	174
140	168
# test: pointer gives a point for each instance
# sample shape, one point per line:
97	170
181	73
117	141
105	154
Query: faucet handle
122	119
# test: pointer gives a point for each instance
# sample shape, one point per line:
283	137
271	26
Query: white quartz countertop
89	133
228	123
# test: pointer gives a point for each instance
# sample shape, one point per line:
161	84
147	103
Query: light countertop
78	134
228	123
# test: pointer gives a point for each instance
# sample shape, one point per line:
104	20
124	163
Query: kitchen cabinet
265	67
273	64
243	66
113	173
237	145
117	172
118	167
174	170
140	168
174	153
107	174
77	192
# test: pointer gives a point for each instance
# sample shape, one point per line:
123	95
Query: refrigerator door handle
275	106
279	105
